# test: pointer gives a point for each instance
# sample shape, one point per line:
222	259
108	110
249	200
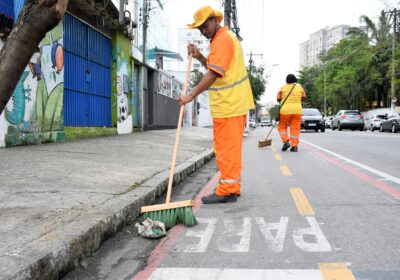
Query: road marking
285	170
273	149
370	169
309	238
278	157
303	205
373	181
180	273
338	271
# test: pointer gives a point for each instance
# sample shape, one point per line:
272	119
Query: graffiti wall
122	107
34	114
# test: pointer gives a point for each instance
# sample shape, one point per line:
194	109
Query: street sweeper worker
230	98
290	113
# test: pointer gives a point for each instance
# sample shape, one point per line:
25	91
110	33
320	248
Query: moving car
374	122
351	119
391	123
312	120
265	121
252	123
328	121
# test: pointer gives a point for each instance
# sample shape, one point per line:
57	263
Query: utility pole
145	25
230	17
393	87
227	13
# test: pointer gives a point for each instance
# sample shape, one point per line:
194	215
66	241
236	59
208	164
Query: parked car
391	123
328	121
265	121
351	119
312	120
374	122
252	123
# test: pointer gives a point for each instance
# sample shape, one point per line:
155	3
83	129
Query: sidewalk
59	202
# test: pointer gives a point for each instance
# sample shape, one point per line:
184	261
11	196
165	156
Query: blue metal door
87	75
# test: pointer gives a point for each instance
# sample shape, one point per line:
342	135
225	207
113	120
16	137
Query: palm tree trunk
37	17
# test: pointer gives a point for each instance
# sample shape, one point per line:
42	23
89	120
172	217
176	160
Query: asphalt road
330	211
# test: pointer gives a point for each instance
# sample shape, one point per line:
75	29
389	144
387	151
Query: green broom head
171	217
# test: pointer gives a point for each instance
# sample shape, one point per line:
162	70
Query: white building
321	41
201	115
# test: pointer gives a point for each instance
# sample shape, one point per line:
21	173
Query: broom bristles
171	217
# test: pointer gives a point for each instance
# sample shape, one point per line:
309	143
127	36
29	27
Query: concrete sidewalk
59	202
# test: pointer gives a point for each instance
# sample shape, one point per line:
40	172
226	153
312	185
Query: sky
276	28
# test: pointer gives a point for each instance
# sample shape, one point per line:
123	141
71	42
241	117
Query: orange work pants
294	121
228	137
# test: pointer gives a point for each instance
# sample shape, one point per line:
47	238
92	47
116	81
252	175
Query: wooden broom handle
178	130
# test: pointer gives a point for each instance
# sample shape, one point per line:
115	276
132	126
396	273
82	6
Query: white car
265	122
252	123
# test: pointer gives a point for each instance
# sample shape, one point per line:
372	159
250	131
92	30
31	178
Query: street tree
36	18
258	81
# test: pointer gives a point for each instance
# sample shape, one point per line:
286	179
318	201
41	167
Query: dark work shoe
286	146
213	199
293	149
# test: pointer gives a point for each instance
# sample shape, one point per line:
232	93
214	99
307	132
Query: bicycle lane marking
326	154
158	254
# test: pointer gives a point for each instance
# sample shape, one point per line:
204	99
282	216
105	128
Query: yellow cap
202	14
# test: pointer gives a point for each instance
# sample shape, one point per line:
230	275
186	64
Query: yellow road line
335	271
285	170
303	205
278	157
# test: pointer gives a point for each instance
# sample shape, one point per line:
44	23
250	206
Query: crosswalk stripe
235	274
303	205
285	170
335	271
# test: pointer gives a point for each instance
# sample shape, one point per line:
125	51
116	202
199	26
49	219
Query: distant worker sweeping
230	98
291	94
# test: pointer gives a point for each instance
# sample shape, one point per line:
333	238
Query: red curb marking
371	180
158	254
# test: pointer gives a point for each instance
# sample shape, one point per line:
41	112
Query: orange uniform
290	113
230	99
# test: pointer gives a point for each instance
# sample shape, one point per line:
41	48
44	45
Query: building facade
319	42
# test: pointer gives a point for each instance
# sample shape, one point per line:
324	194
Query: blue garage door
87	75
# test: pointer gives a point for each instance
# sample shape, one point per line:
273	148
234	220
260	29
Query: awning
152	53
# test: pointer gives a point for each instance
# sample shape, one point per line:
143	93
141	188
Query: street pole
227	13
324	91
393	82
145	23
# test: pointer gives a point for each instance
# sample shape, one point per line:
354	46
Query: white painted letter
321	244
205	236
227	242
274	243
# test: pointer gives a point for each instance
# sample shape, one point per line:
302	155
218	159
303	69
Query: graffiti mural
34	113
122	85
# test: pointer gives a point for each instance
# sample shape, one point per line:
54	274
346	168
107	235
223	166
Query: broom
266	142
172	213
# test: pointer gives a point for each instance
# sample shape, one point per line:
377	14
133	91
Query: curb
60	251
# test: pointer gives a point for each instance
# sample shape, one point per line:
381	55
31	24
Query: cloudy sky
275	28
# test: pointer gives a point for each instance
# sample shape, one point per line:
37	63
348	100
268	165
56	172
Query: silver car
351	119
374	122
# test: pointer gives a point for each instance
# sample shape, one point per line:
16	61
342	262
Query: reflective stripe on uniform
231	85
294	137
282	133
217	68
229	181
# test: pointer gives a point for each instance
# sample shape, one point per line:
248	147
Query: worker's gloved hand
192	49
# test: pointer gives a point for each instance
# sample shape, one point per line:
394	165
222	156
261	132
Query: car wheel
340	128
322	129
316	130
393	129
333	128
362	128
381	128
372	128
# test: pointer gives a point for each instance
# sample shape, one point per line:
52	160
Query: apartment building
319	42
